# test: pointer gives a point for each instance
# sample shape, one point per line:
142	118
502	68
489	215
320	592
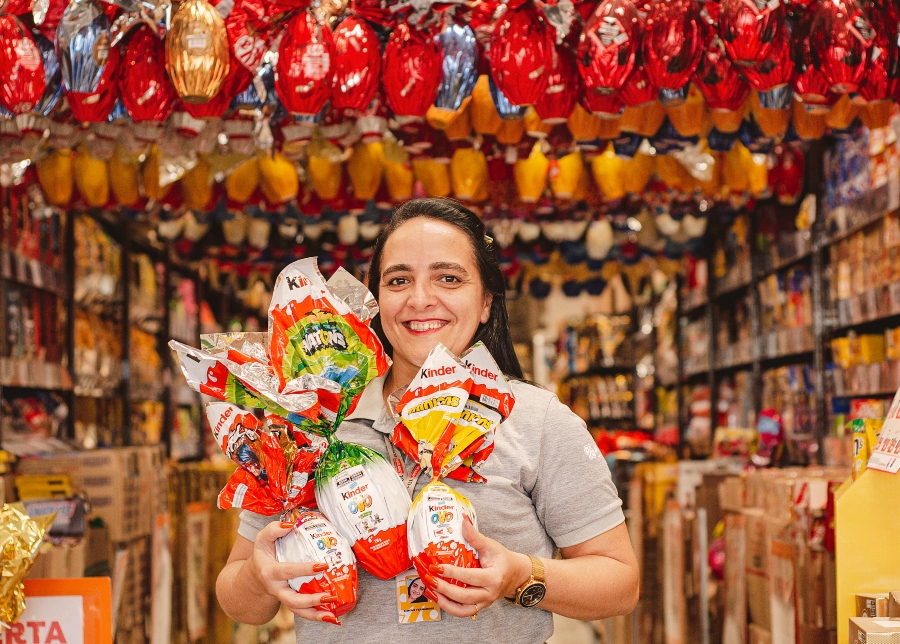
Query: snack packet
451	411
316	333
314	539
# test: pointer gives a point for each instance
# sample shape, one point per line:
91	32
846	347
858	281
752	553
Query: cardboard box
894	603
731	494
153	468
60	562
110	479
871	605
759	635
868	630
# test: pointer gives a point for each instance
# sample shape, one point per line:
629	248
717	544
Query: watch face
532	595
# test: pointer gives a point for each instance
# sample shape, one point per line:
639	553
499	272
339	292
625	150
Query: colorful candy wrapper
275	473
316	332
20	539
314	539
451	412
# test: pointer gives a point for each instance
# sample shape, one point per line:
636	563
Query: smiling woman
436	278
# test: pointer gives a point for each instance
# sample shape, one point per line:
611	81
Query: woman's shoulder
532	400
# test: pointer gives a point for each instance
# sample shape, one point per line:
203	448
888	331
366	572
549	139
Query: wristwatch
532	592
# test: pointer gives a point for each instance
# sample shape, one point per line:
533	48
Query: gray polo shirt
548	487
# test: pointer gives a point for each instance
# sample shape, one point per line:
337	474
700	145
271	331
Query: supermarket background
703	259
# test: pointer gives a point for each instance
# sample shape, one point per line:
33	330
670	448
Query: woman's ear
486	311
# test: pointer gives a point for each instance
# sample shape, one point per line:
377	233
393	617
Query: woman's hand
502	572
271	576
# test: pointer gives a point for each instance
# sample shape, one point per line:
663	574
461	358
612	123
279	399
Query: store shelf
693	301
602	370
802	240
787	343
695	366
735	356
848	219
737	278
875	305
877	380
30	272
31	373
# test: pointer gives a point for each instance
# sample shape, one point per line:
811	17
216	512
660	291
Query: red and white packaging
315	540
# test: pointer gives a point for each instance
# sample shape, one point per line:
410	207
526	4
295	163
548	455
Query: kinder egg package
315	332
449	412
315	540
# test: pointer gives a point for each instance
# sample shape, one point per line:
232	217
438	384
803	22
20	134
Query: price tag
76	611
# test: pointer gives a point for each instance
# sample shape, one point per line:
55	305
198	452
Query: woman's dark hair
495	332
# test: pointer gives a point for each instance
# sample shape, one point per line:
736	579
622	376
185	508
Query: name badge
412	604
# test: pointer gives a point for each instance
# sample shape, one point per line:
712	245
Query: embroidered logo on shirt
592	452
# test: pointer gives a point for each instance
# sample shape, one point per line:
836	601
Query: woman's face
430	292
416	589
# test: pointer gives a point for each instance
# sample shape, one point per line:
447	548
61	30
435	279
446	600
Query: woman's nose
422	296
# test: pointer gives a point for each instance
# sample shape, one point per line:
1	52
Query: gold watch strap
537	569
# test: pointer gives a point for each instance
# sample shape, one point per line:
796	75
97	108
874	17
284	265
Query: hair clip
489	239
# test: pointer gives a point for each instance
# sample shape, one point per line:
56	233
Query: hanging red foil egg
521	53
95	107
377	12
718	81
604	106
144	85
563	88
841	37
305	69
608	46
22	83
673	42
880	81
638	89
248	43
776	70
412	71
808	82
357	66
749	28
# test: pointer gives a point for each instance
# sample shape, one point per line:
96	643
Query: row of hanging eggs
626	53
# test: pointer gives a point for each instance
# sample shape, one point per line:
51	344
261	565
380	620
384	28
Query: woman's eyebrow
396	268
448	266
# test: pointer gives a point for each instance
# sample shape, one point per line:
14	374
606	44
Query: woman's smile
421	327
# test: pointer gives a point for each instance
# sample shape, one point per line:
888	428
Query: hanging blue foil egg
460	66
506	110
83	40
52	73
778	98
119	114
753	138
626	145
721	141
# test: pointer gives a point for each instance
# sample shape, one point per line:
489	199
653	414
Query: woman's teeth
424	326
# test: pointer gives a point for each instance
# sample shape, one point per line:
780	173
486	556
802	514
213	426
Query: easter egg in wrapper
314	539
197	55
23	81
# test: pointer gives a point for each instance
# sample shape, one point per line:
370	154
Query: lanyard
409	480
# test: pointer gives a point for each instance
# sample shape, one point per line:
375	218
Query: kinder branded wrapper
275	475
435	530
363	496
314	332
315	540
449	414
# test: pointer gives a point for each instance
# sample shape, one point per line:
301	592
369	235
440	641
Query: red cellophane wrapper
449	413
315	540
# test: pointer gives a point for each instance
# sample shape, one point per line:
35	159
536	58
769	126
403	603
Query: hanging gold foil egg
530	175
197	56
124	178
365	168
469	174
434	175
607	171
398	177
565	175
91	178
55	176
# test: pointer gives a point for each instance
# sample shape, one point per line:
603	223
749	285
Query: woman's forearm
241	598
590	587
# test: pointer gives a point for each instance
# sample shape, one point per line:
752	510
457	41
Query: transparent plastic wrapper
449	413
315	540
20	539
315	332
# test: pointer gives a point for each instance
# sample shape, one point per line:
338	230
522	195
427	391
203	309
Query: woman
436	278
415	592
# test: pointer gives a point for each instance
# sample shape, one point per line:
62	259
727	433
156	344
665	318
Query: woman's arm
253	583
597	579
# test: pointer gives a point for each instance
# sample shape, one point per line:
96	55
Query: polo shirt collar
371	407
